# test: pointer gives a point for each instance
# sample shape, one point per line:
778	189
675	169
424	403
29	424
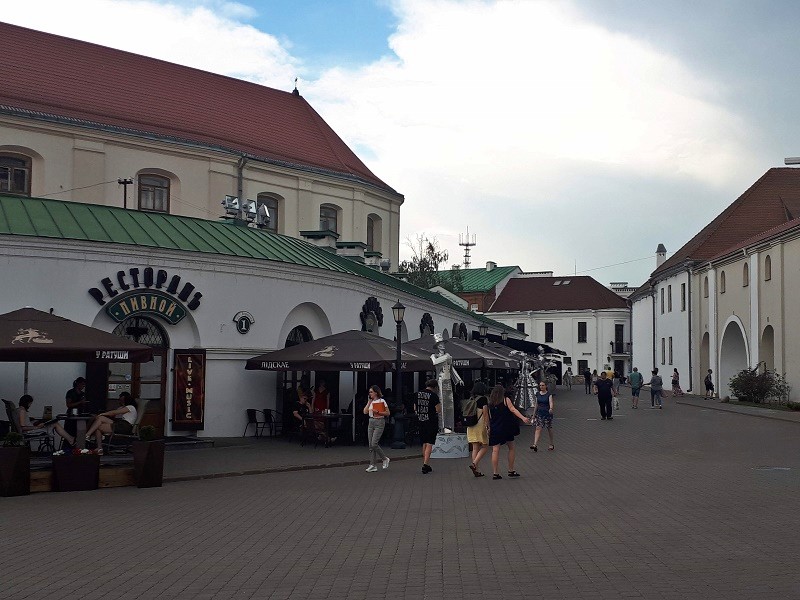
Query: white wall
642	324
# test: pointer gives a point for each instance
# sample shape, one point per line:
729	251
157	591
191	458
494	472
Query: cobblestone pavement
683	502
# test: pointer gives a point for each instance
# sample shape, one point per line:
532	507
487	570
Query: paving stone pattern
683	502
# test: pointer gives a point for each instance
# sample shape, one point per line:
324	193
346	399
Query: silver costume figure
446	375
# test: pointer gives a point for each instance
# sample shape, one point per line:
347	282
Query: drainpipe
689	301
654	295
240	185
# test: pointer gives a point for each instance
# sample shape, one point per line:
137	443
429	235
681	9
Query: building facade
112	128
577	315
714	303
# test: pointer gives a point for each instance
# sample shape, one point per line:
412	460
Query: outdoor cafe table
330	419
80	427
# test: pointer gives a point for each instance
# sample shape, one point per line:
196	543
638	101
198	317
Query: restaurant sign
189	389
146	291
150	302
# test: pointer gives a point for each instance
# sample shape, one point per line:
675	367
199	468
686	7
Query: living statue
445	375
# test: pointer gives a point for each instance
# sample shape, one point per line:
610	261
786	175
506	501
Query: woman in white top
32	427
119	420
377	409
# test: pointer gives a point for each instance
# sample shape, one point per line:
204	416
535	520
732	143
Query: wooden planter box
76	472
15	471
148	463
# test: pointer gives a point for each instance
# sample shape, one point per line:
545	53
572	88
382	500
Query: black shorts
122	427
709	387
427	434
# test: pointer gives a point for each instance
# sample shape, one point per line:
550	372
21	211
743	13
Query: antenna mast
467	242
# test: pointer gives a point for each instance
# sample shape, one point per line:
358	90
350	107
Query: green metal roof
479	280
57	219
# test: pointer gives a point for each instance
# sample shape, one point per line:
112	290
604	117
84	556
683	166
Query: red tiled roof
766	235
67	78
771	201
541	293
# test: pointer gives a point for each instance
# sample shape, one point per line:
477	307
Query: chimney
661	255
491	266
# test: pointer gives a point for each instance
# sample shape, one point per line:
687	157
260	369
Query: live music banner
189	389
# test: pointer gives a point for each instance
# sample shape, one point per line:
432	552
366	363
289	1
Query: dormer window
15	174
153	193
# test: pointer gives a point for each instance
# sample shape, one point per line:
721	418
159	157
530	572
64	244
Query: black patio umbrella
30	335
466	355
347	351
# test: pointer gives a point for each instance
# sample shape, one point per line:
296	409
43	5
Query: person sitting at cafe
120	420
29	425
76	402
322	397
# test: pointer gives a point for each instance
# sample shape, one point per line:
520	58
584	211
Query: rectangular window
473	307
669	298
328	219
581	332
582	366
662	301
521	327
15	175
548	332
683	296
663	350
154	193
670	349
268	222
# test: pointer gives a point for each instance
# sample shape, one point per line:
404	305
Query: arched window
722	282
705	287
15	174
153	193
329	218
374	233
745	275
298	335
767	268
272	205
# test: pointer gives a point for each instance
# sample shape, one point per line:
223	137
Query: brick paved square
685	502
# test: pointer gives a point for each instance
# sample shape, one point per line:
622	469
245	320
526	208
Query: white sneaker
386	463
372	469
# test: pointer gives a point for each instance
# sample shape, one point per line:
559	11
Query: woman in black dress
502	427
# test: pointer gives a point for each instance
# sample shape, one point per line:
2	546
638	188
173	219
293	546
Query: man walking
637	381
656	389
587	380
604	388
709	381
428	408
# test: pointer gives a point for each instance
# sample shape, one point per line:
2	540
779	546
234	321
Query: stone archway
767	347
733	355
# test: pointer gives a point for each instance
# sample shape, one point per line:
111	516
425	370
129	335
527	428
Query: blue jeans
655	397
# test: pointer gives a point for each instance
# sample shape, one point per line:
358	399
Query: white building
576	314
220	292
689	316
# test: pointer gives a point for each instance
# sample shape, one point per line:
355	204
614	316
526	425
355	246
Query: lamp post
504	337
398	312
125	182
483	331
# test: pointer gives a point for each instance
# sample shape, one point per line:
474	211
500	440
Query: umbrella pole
353	433
25	382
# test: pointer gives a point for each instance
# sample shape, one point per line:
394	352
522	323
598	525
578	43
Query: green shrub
752	385
793	405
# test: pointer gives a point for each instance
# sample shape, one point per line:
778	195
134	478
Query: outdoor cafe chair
273	421
45	439
252	419
116	441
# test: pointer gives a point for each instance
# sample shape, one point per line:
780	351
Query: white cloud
509	117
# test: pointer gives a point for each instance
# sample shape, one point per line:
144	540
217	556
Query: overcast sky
565	135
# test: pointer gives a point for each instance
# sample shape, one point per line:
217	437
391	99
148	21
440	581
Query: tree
455	281
422	269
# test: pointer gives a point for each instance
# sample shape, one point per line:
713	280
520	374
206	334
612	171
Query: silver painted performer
445	375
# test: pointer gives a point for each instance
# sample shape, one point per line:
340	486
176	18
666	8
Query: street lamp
483	331
504	336
398	312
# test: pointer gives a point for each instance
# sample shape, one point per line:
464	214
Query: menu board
189	389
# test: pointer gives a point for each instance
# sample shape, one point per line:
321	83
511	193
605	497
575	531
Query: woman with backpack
502	424
476	417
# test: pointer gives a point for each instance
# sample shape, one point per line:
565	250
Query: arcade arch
733	355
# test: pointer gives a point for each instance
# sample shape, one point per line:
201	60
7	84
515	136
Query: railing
620	347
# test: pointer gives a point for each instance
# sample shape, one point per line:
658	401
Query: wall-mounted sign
146	301
189	389
244	320
146	291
